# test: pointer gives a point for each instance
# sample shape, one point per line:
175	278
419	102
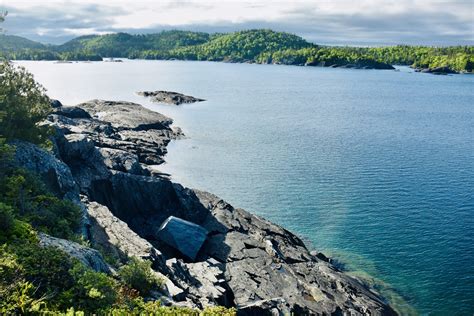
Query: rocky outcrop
169	97
245	261
88	256
125	133
54	173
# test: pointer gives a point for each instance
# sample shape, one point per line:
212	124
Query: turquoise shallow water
375	168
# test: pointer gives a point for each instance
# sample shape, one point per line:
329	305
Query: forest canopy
254	46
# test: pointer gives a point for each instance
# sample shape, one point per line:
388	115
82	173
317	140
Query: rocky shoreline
104	153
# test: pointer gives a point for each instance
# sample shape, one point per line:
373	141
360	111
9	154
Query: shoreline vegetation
260	46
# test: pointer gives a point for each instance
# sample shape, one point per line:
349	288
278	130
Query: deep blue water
375	168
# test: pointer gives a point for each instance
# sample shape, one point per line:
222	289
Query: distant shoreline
262	46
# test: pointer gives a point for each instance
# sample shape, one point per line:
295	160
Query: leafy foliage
137	274
23	104
28	200
91	291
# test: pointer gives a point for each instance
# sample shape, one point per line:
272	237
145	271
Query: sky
336	22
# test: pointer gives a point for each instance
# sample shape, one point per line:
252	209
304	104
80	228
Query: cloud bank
340	22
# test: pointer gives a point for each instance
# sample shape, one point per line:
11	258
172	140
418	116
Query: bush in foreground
138	275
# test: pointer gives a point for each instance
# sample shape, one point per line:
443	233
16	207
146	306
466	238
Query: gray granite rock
115	237
125	115
72	112
182	235
122	126
88	256
121	160
55	174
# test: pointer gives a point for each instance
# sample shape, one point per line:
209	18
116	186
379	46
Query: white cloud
377	21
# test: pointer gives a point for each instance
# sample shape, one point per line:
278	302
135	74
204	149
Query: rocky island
206	251
169	97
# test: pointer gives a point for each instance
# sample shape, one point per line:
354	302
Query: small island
169	97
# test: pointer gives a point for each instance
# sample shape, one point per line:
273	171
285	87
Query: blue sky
340	22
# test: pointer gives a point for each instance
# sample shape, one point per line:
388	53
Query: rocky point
104	158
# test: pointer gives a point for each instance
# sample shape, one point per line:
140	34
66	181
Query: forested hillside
254	46
123	44
13	43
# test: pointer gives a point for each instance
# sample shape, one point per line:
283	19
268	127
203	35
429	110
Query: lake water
374	168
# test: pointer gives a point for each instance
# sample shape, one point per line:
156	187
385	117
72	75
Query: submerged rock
182	235
169	97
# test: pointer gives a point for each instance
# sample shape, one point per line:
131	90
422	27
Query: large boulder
184	236
55	173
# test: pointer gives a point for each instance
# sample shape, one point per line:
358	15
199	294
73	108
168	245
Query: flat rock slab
125	115
169	97
184	236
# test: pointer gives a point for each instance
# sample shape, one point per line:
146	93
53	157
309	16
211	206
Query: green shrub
154	308
16	294
6	218
92	291
138	275
218	310
59	218
31	202
23	103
